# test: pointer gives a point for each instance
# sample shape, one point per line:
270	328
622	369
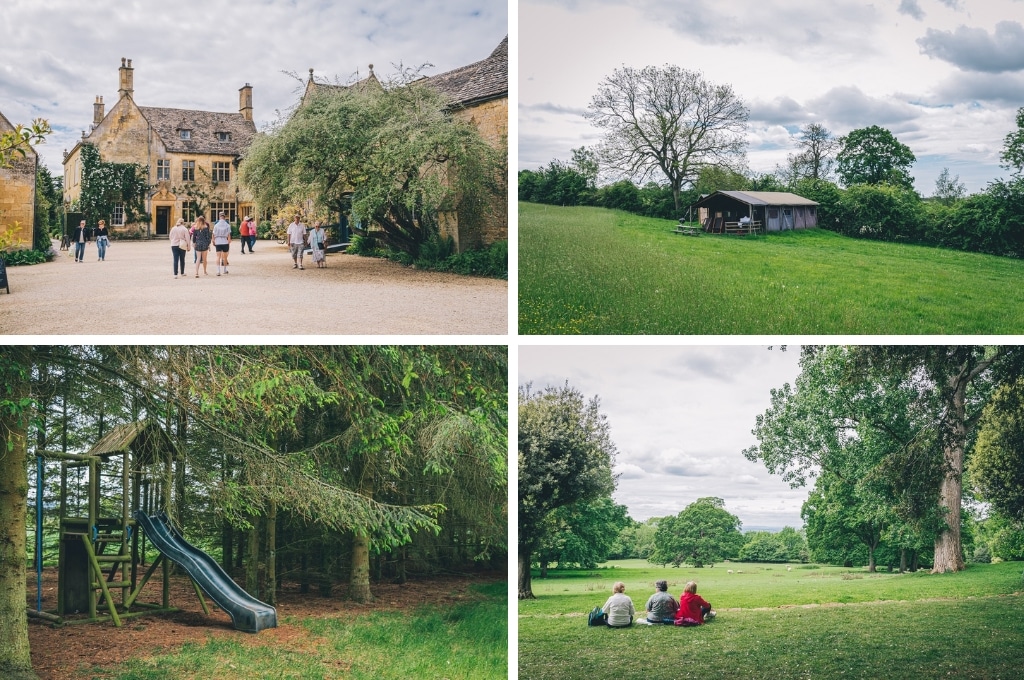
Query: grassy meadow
810	622
597	271
464	641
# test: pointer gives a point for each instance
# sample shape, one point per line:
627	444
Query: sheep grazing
728	571
789	568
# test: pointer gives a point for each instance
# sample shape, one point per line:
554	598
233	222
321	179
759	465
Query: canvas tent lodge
721	211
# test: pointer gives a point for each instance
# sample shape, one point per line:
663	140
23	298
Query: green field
808	622
597	271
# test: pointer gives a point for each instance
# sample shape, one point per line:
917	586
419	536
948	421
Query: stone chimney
245	101
97	111
127	78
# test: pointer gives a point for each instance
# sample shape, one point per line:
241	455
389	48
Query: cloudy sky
57	55
945	76
681	417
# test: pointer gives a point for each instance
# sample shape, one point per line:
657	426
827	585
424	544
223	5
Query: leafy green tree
15	142
1013	146
396	151
884	211
703	533
713	178
763	546
836	519
636	540
621	195
669	122
873	155
997	464
581	534
817	144
565	457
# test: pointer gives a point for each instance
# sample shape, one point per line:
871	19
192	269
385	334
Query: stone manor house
192	153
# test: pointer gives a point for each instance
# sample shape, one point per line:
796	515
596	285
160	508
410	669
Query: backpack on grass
597	617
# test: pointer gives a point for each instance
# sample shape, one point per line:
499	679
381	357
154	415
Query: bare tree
814	161
667	120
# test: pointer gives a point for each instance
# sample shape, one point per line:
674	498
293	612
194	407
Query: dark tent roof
761	198
146	440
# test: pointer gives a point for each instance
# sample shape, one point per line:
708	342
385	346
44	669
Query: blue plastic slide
247	613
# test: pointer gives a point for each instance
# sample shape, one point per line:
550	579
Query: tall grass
774	623
596	271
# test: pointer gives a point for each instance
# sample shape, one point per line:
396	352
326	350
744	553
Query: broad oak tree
873	155
667	121
565	457
702	533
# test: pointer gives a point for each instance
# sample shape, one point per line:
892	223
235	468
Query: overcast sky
681	417
945	76
57	55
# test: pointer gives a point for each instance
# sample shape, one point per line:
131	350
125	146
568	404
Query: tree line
670	136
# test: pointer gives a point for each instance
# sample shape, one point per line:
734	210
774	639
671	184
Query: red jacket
689	608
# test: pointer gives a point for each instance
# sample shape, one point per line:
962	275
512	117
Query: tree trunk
359	583
525	578
543	568
903	560
948	553
252	567
15	661
871	559
271	587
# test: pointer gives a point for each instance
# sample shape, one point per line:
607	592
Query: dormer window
224	136
185	134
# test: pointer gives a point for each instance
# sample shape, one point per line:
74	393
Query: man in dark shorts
222	242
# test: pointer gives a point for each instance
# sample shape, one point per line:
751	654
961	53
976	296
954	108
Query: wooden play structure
100	545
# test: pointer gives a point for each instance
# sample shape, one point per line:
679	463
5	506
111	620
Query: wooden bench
687	230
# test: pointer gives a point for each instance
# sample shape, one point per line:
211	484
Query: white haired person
661	607
619	608
693	609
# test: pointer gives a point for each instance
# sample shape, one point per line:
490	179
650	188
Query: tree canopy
1012	154
873	155
395	151
667	121
565	457
997	465
702	533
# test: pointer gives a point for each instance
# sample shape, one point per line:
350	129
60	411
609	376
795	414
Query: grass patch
461	641
776	623
597	271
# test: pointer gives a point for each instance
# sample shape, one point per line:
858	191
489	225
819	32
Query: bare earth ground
134	292
68	651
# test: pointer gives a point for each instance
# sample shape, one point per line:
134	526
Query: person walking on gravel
222	242
102	239
180	244
80	237
297	241
201	237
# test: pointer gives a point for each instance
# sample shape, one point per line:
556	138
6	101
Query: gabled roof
146	439
477	82
203	127
762	197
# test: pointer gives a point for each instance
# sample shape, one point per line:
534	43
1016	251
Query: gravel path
134	292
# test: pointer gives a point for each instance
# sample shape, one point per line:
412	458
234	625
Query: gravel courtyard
134	292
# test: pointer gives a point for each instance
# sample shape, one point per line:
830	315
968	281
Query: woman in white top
180	244
619	608
317	241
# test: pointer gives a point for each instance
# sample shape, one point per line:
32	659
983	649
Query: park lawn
597	271
461	641
774	623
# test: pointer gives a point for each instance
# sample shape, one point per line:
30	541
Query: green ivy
105	185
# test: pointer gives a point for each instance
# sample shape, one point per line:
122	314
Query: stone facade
192	156
479	94
18	193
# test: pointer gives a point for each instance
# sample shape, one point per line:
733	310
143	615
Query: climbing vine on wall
105	185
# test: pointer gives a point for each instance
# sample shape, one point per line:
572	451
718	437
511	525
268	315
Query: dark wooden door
163	220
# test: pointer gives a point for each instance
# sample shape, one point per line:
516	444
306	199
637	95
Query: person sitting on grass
693	609
661	607
619	608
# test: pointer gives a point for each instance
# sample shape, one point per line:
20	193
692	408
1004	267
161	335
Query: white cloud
196	54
